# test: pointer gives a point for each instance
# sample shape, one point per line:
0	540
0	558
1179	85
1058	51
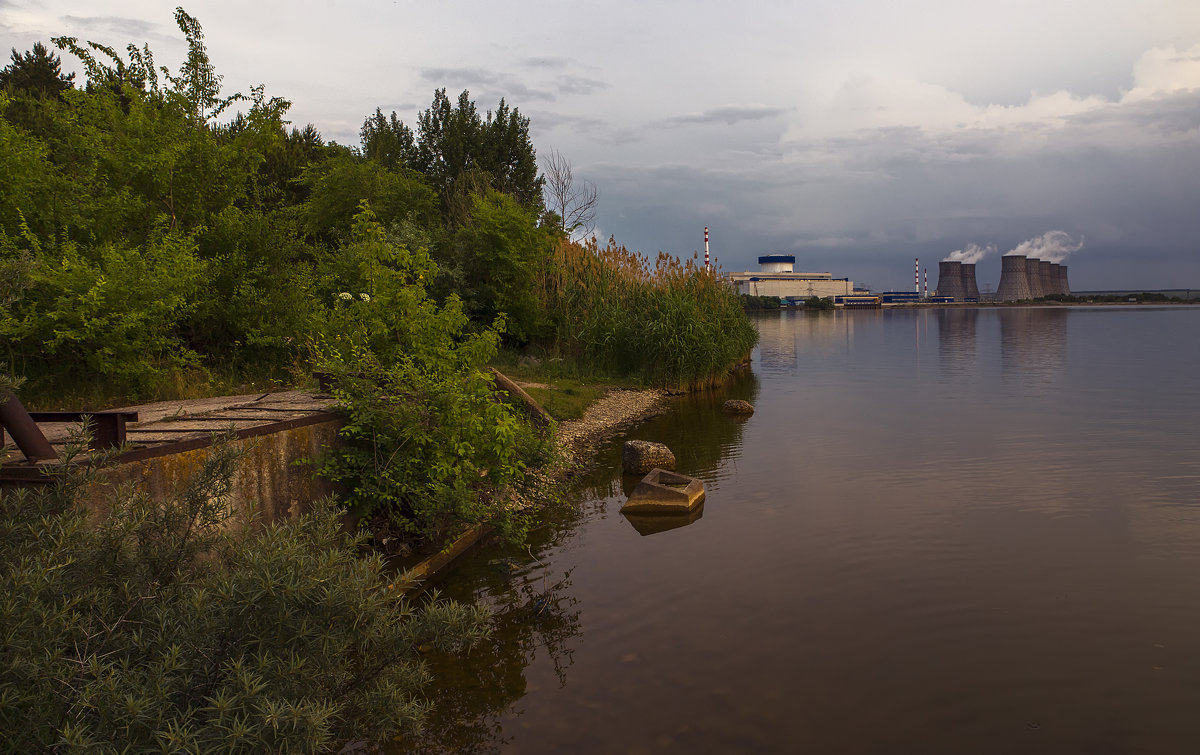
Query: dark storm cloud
725	114
507	85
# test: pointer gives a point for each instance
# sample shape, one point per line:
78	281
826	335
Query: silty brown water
954	530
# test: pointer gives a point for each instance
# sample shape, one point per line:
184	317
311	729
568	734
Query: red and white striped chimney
705	247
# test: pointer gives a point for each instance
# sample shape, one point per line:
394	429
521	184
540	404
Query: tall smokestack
950	281
970	288
706	247
1049	281
1014	282
1033	274
1063	287
916	275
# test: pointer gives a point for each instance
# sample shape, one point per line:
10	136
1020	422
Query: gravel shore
614	412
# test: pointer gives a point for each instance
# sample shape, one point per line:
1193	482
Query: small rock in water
737	406
640	456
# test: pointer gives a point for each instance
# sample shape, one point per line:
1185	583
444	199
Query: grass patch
561	386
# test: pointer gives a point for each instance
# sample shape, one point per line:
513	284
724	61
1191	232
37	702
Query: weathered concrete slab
665	492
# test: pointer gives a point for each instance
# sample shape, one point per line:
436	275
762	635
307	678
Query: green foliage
105	314
337	186
673	323
816	302
430	450
459	152
753	303
153	627
37	72
501	250
429	446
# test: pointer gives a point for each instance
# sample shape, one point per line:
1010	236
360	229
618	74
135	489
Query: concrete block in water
664	492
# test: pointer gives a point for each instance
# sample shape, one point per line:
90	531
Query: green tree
37	73
501	250
459	151
388	141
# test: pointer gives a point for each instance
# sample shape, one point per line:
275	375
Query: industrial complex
777	278
1021	278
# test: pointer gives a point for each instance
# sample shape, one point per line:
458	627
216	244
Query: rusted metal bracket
23	429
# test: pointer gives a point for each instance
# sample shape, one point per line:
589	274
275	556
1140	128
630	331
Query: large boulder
737	406
640	456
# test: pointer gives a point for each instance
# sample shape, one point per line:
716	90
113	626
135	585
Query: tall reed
669	322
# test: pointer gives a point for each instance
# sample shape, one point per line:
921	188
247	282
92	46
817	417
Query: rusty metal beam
23	429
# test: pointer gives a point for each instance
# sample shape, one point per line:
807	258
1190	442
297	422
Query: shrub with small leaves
153	627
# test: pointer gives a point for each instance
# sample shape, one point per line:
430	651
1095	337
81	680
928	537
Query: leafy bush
430	451
103	315
428	444
155	628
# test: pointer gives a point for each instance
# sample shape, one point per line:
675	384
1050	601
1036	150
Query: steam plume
971	254
1052	247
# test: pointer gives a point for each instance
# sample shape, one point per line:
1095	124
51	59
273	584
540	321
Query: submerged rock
737	406
640	456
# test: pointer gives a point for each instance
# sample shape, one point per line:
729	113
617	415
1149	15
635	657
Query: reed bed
667	321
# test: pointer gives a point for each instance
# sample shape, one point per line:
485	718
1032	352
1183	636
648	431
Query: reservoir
942	531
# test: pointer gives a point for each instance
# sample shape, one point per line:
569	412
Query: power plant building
776	277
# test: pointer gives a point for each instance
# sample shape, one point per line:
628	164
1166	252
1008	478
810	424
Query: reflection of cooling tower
1014	284
970	288
1063	287
1033	274
950	281
1049	281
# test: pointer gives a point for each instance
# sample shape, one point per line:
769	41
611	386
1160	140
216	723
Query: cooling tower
950	281
970	288
1014	284
1063	287
1033	274
1054	289
1049	281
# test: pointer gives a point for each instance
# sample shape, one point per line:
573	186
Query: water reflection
957	335
1033	345
653	524
788	335
533	615
883	564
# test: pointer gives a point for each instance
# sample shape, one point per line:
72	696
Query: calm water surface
956	530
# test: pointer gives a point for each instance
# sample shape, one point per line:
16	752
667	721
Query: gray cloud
549	62
506	85
125	29
578	85
726	114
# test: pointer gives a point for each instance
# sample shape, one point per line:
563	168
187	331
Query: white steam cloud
1052	247
971	254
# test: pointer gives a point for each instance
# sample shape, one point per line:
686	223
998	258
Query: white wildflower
365	297
345	296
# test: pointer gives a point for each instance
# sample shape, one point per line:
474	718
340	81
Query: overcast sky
855	134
